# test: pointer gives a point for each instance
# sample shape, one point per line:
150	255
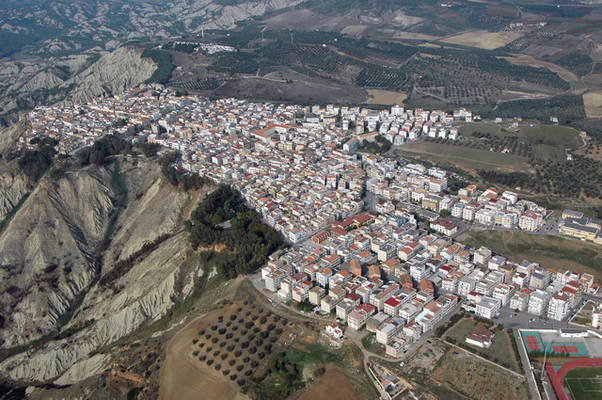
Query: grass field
468	128
465	158
386	97
549	251
478	379
501	350
551	135
585	383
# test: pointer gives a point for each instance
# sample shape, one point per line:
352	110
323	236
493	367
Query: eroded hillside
88	258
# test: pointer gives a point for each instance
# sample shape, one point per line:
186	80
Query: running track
557	377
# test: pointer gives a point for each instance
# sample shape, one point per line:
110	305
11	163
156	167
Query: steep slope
13	184
48	249
122	296
113	73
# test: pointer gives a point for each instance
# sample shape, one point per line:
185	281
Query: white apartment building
558	307
538	302
488	307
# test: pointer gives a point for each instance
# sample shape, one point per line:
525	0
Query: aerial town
372	237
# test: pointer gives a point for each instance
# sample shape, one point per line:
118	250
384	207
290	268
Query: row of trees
123	266
511	179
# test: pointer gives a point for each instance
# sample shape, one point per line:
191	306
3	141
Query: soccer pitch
584	383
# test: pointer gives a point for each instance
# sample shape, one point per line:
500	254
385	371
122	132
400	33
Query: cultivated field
386	97
184	377
529	61
465	158
593	104
483	39
332	385
549	251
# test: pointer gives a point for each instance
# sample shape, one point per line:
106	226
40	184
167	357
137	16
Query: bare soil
484	39
386	97
593	104
184	377
333	385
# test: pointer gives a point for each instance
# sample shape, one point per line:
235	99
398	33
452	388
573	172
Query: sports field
584	383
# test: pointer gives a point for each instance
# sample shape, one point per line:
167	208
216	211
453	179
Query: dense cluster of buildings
299	168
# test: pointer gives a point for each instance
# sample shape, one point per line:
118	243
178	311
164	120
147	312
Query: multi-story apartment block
385	332
488	307
520	300
538	301
559	307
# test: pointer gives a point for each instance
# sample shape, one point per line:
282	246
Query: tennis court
534	342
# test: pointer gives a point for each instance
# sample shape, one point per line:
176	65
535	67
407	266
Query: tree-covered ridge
223	219
34	163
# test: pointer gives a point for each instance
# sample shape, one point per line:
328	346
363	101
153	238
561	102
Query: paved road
526	367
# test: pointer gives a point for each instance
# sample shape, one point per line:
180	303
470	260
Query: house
316	294
376	321
444	226
559	307
397	346
334	330
520	300
480	337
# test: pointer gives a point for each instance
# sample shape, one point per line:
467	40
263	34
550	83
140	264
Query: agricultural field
501	351
386	97
484	39
593	104
545	142
549	251
468	159
246	349
584	383
221	352
529	61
